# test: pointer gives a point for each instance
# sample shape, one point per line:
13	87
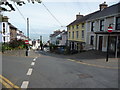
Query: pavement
92	58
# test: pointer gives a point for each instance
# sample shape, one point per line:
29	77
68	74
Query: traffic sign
26	42
110	29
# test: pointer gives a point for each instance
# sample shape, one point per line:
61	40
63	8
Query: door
100	42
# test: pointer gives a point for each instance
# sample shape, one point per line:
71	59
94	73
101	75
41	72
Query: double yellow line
93	64
8	84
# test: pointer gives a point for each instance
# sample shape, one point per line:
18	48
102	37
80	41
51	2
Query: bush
15	44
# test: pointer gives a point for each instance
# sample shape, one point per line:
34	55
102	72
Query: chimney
78	16
103	6
5	19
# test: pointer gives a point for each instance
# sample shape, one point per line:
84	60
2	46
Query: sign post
109	31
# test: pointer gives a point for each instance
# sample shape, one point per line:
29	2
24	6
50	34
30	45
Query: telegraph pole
27	47
28	28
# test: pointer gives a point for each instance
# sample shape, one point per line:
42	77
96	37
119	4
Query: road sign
26	42
110	29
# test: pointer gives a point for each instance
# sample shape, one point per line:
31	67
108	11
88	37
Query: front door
100	42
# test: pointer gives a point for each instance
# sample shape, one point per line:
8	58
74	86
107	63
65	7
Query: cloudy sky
43	23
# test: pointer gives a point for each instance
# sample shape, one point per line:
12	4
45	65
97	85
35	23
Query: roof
114	9
11	26
55	34
84	18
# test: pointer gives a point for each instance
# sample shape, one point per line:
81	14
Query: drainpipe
116	51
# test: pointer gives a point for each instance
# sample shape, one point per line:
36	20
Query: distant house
59	38
54	37
20	35
63	38
13	32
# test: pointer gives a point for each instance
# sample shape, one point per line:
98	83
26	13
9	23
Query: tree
18	2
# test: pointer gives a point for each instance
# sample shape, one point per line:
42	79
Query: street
50	71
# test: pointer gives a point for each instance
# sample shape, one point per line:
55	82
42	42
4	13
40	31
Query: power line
20	12
51	13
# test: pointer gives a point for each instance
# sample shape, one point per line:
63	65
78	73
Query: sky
41	21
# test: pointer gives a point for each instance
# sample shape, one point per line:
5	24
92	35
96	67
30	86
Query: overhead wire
51	13
20	12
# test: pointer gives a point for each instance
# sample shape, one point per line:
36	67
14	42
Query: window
101	25
91	40
77	26
118	23
82	33
3	28
93	26
72	27
69	35
73	35
83	25
77	34
68	28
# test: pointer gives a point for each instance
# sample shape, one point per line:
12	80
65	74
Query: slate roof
114	9
84	18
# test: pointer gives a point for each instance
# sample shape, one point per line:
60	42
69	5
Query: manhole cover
84	76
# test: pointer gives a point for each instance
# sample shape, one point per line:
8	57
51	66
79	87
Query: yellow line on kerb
7	83
93	64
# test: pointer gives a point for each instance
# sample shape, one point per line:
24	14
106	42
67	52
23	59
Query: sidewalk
91	58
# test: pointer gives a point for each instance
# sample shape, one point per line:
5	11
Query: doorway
100	42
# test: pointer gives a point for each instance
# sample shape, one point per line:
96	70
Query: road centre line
33	63
25	84
34	59
93	64
29	71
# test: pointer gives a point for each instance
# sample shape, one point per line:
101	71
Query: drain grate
84	76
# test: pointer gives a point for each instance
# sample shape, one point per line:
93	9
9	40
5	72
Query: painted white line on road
29	71
25	84
34	59
33	63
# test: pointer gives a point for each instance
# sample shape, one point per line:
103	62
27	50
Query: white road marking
25	84
29	71
34	59
33	63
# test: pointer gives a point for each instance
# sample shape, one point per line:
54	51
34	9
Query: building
59	38
20	35
54	38
4	29
76	33
13	32
97	26
63	38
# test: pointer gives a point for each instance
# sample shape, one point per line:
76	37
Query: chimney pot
103	6
78	16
